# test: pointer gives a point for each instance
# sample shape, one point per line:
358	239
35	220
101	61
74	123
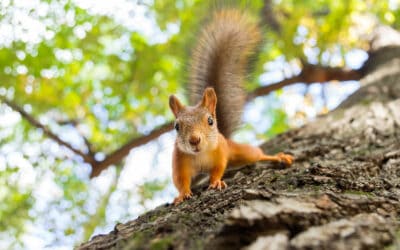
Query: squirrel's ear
209	100
175	105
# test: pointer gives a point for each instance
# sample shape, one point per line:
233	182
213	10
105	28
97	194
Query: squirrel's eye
210	121
176	126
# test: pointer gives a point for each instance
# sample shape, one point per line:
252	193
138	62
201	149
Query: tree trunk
342	192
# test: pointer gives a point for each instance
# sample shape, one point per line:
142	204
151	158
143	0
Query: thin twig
87	158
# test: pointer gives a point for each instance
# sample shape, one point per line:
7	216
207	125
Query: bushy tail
220	60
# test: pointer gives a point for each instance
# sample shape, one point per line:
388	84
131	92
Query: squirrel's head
196	125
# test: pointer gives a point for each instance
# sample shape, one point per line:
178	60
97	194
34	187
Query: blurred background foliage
98	73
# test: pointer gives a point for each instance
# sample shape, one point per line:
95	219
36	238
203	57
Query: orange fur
209	153
220	61
182	175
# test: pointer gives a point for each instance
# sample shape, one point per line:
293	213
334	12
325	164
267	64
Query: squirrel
217	70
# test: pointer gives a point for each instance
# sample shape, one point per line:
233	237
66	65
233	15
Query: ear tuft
209	100
175	105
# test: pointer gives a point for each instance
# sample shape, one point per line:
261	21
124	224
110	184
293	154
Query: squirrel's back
220	60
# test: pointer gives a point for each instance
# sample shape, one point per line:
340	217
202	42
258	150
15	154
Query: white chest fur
203	162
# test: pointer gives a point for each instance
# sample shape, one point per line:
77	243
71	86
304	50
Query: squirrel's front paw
182	197
218	184
285	158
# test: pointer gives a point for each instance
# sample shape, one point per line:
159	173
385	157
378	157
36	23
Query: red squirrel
217	71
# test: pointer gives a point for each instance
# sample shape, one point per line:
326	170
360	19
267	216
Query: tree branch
87	158
309	74
75	123
88	145
120	153
316	73
265	90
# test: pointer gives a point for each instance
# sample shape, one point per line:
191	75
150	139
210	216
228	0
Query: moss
140	239
396	242
198	244
316	189
290	188
365	102
391	247
338	114
162	243
359	193
136	240
153	217
360	152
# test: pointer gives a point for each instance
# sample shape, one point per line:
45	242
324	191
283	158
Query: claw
285	158
219	184
182	197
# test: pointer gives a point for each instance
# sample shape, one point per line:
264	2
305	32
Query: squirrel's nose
194	140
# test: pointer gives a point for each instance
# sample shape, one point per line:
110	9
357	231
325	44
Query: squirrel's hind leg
243	154
281	157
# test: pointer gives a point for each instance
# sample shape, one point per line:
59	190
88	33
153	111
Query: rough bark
342	192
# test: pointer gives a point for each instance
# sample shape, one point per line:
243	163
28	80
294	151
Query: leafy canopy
103	75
